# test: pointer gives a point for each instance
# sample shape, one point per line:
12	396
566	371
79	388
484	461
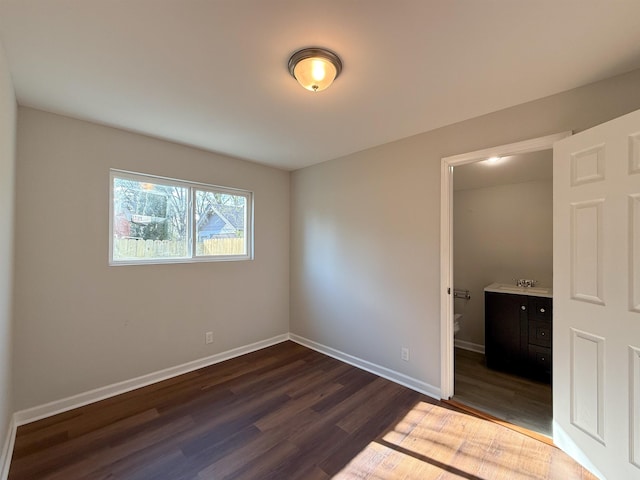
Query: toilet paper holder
459	293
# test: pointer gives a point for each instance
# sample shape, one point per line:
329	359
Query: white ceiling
526	167
213	73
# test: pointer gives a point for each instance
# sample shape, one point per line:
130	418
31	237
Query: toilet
456	323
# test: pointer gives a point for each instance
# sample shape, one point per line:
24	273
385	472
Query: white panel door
596	321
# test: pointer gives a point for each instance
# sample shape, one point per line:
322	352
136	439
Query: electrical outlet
404	354
208	337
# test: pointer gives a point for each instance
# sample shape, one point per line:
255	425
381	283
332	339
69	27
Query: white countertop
509	288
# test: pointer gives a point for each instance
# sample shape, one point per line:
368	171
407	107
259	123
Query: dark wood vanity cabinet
518	334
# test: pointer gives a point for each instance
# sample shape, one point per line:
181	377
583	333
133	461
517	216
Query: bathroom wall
501	232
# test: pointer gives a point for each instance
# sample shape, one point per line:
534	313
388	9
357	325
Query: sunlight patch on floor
432	442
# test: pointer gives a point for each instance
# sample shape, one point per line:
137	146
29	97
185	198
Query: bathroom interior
503	273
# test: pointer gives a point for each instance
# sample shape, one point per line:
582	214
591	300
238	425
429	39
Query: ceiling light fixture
493	161
315	68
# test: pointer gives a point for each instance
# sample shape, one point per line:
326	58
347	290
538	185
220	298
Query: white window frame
191	256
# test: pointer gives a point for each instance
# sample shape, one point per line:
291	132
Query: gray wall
80	324
7	181
365	261
499	233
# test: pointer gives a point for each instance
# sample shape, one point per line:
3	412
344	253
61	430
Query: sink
509	288
514	288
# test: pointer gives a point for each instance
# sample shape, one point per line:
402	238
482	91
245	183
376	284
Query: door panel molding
587	383
634	153
634	406
588	165
634	252
586	251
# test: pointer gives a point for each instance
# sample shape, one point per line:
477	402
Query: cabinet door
506	331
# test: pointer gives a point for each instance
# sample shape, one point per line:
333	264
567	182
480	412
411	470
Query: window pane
149	220
221	220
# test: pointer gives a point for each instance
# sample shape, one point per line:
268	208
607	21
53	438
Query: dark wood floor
285	412
518	400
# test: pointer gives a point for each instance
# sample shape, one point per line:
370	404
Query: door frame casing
446	241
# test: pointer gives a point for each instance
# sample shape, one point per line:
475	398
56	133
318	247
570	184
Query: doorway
487	197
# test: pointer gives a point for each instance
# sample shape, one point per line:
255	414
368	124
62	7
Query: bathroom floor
518	400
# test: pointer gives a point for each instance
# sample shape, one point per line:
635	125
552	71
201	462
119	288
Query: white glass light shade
315	68
315	73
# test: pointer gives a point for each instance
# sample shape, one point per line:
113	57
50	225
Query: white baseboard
392	375
58	406
474	347
7	450
29	415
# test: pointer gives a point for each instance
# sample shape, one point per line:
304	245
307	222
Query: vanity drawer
540	363
540	333
540	309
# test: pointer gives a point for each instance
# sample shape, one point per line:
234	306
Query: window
161	220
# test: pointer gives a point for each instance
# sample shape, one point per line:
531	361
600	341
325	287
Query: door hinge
449	291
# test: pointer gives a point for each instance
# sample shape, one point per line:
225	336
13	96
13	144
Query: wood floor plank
386	419
514	399
282	413
388	393
263	465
